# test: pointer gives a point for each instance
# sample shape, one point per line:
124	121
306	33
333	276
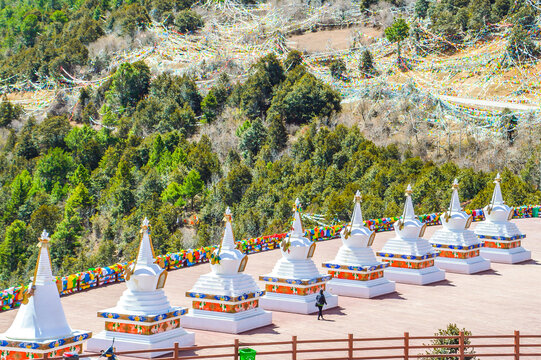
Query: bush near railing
11	297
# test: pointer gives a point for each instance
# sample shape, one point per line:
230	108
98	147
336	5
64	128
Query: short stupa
143	319
458	247
502	238
355	270
411	258
226	299
294	283
40	327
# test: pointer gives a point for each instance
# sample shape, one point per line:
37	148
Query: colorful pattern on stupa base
501	237
21	350
226	299
294	286
294	283
148	324
15	354
408	261
411	258
143	318
458	247
225	304
357	273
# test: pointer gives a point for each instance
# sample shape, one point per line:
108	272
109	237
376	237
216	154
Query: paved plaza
498	301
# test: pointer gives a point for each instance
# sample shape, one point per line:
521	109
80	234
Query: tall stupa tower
294	283
411	258
502	238
226	299
143	318
458	247
355	270
40	327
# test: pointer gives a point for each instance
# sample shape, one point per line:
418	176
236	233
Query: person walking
320	302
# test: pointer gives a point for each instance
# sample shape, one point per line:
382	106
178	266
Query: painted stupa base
424	276
295	295
463	266
299	304
229	314
502	242
22	350
512	255
359	281
459	252
227	322
138	331
361	289
133	342
411	269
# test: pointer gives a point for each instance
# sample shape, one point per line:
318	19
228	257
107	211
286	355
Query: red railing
515	346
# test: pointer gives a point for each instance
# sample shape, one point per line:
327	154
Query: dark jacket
320	300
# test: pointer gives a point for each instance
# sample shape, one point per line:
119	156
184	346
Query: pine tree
421	8
397	32
366	65
192	185
277	134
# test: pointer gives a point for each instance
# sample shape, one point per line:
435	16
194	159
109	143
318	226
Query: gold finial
498	179
455	185
358	197
227	215
409	191
44	239
297	206
145	225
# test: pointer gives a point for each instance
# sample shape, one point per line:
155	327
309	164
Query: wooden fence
515	346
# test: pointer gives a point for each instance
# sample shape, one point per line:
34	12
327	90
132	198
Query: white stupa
143	318
411	258
294	283
355	270
40	326
502	238
458	247
226	299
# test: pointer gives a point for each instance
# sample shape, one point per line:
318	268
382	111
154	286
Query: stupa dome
227	258
454	218
497	210
355	234
409	226
144	273
296	246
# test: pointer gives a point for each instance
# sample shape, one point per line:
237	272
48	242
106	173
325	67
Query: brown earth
336	39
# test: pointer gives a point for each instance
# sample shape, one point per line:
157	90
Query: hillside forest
156	145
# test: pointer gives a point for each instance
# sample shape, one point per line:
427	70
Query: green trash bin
535	212
247	354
